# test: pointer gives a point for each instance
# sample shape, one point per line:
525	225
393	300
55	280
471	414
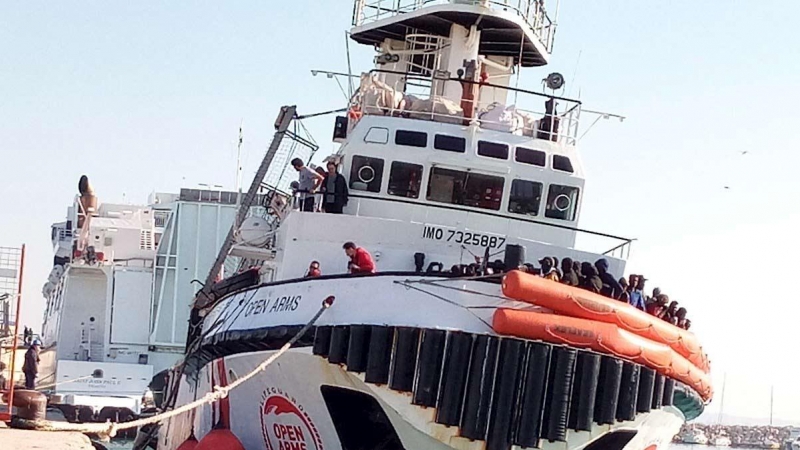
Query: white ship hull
446	385
299	384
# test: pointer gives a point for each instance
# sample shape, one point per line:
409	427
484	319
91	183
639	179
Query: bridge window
366	174
530	156
562	163
465	188
450	143
411	138
562	202
525	197
404	179
493	149
377	135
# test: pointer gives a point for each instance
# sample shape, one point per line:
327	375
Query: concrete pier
12	439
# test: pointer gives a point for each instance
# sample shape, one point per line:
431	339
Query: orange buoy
219	439
603	338
189	444
576	302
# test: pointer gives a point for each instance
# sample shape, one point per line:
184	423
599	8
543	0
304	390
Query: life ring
558	199
366	179
354	113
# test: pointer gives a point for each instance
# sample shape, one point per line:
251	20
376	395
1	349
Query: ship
457	178
116	314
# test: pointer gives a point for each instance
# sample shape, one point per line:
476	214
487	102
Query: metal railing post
15	341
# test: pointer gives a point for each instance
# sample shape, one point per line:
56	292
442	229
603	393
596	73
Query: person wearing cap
589	278
652	299
570	277
548	269
31	366
611	287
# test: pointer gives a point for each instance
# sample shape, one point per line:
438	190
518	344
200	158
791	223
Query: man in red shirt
360	259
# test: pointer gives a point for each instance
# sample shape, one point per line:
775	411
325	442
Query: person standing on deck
308	181
570	277
611	287
2	376
589	280
548	269
636	298
360	259
334	189
31	366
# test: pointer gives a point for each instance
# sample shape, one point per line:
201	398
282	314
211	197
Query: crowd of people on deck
597	278
593	277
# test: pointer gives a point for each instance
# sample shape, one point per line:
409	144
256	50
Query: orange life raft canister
576	302
604	338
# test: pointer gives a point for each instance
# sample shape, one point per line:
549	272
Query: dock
43	440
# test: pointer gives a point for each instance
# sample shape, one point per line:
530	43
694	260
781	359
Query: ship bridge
517	29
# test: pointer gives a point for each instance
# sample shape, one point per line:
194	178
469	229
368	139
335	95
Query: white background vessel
116	298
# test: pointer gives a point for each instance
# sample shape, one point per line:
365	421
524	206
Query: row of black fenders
505	391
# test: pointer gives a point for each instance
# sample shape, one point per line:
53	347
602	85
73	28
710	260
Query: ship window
377	135
404	179
562	163
493	149
530	156
411	138
449	143
366	174
562	202
465	188
525	197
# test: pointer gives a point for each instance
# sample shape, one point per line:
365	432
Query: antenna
349	66
239	159
575	72
771	402
722	400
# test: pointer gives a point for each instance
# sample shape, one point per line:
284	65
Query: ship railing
532	12
521	111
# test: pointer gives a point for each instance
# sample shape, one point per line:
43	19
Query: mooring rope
109	429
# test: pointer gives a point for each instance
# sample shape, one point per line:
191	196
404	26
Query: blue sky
148	96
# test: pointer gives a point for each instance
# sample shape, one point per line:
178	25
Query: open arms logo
285	425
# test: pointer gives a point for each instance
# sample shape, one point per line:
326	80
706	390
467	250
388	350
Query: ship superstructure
116	311
450	167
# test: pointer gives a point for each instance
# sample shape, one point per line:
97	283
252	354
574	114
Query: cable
446	300
109	429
